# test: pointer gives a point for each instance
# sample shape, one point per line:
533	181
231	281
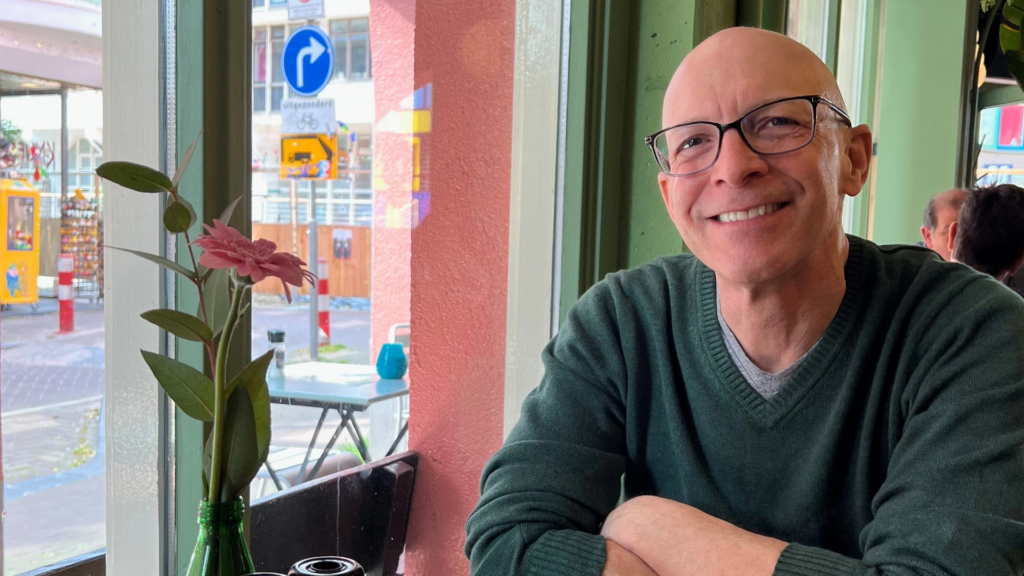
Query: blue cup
391	363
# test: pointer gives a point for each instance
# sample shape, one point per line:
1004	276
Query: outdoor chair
361	513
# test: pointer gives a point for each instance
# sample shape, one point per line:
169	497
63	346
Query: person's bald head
939	216
717	78
755	217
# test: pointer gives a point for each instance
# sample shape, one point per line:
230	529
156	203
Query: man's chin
752	269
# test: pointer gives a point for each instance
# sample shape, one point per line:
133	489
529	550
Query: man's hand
674	539
622	562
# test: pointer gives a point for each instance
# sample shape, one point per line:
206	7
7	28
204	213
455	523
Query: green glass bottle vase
221	549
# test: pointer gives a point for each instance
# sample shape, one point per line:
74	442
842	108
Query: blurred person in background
939	215
989	234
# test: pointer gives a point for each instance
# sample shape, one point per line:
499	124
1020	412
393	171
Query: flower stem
199	287
219	389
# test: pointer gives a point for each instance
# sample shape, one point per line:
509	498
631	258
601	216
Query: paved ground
70	516
51	390
349	327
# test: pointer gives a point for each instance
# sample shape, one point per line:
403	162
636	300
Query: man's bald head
950	199
754	217
736	62
939	215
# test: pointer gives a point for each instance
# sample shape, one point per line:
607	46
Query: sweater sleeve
952	502
547	491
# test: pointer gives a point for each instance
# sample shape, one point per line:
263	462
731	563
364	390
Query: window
807	23
54	461
267	91
258	3
351	48
259	68
277	40
83	158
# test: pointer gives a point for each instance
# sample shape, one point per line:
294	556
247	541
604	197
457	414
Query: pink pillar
443	73
459	270
392	26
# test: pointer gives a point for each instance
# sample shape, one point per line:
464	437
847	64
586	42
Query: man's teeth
748	214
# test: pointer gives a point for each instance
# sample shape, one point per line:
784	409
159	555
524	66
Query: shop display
80	236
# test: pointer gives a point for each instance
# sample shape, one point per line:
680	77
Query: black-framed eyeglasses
775	128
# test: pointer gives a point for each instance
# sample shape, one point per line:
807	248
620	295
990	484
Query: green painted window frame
213	96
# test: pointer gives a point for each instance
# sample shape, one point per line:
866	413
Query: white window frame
539	90
134	130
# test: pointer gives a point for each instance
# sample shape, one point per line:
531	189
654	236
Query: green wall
919	109
661	34
621	58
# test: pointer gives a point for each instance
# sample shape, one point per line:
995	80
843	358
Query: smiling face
752	218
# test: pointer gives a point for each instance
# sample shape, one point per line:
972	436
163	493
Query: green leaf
241	453
134	176
190	389
185	160
205	273
1015	62
177	218
191	211
180	324
254	379
169	264
217	296
225	216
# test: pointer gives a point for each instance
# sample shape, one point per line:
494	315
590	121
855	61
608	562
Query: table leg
273	476
309	451
345	418
401	433
357	435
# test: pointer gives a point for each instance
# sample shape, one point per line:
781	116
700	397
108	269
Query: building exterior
347	200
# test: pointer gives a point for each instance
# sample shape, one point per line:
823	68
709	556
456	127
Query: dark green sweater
896	449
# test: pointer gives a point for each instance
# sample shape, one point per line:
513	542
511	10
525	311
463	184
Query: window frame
349	35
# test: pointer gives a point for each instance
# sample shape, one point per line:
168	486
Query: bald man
786	400
939	215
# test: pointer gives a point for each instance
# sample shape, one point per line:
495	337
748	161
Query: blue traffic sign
308	60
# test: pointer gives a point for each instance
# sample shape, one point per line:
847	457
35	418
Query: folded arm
545	494
678	540
952	503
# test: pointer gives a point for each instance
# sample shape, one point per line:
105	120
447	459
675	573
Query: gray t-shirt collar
766	383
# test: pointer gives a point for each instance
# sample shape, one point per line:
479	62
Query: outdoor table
345	388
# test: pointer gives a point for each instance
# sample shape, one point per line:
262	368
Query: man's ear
663	184
927	235
953	229
859	155
1013	269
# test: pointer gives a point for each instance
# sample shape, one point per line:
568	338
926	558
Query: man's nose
737	163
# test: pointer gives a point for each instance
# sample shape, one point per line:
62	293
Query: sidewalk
72	517
51	388
49	306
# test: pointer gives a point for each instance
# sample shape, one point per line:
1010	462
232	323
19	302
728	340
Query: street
51	413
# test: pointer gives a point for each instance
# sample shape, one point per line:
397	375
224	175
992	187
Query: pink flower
225	247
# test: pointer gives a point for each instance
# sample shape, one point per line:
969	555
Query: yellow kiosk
19	249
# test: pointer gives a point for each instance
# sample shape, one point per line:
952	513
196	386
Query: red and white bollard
323	300
65	292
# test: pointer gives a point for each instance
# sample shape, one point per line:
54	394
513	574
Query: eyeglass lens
774	129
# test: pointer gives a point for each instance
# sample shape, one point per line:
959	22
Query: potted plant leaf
239	409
